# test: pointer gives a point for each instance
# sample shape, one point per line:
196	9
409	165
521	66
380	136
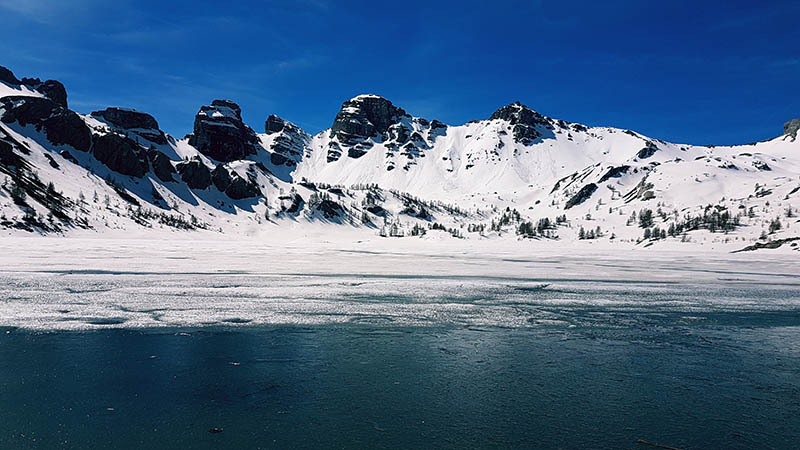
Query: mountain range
515	174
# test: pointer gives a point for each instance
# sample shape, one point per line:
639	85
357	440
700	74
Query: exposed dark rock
220	133
274	124
524	121
120	154
581	196
133	121
330	209
290	142
194	173
232	184
296	205
761	165
51	161
377	210
791	127
241	188
649	150
614	172
221	177
61	126
127	118
162	166
68	156
7	76
364	117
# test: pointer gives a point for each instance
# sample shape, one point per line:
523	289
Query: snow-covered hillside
380	170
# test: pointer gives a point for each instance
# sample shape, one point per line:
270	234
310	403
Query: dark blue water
726	380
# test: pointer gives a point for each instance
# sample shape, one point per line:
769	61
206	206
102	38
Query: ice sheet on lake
87	284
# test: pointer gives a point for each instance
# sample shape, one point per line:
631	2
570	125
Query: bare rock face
358	121
61	126
134	122
365	116
232	184
194	173
7	76
220	134
120	154
51	89
162	166
791	127
289	142
524	120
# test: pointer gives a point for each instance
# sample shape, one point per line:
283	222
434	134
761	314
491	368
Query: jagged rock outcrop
219	132
649	150
133	121
232	184
162	166
61	126
288	142
194	173
614	172
7	76
120	154
581	196
524	120
359	120
791	127
51	89
365	116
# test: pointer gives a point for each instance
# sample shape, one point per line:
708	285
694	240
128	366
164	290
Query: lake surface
608	380
110	344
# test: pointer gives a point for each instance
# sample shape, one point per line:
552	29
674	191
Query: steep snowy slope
516	174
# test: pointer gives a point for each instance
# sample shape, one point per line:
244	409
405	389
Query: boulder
219	132
120	154
194	173
61	126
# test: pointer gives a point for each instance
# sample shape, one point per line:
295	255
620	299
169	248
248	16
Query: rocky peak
288	141
274	124
365	116
136	122
61	126
7	76
524	121
360	119
518	113
791	127
219	132
127	118
51	89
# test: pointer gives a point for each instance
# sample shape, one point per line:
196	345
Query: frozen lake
132	344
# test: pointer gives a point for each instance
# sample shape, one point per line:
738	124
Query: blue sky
695	72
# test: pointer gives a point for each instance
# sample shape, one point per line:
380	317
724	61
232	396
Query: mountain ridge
382	169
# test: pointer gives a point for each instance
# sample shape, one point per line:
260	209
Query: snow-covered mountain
517	174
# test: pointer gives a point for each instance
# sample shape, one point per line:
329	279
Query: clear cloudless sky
703	72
